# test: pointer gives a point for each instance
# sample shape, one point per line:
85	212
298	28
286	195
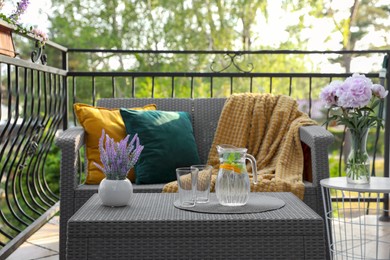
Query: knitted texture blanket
268	126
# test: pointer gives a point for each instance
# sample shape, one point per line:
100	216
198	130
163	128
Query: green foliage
175	25
334	170
338	134
356	119
18	27
199	25
52	169
183	25
352	24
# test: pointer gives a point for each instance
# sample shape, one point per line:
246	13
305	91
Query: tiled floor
42	245
356	238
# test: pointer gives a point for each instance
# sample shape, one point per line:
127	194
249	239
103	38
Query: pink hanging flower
39	33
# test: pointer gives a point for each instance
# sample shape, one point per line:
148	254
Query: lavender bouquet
118	158
352	103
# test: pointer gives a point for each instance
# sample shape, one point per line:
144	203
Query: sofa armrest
70	141
318	139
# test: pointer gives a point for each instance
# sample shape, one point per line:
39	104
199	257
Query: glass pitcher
232	184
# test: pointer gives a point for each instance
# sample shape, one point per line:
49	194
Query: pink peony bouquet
352	103
356	97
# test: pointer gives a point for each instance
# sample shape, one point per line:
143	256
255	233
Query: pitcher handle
254	167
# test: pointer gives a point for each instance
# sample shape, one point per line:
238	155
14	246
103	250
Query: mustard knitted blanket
268	126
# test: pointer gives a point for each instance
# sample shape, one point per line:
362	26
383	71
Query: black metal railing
33	100
35	105
230	77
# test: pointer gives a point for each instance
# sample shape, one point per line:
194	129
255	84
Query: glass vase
358	162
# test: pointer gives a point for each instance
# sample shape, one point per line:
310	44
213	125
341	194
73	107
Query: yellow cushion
93	120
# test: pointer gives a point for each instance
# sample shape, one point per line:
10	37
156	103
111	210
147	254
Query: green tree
351	23
157	25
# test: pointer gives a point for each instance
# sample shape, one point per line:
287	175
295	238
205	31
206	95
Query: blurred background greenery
215	25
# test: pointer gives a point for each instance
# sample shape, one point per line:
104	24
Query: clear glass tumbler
186	182
203	183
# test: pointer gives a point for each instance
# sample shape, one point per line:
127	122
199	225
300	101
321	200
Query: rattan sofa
205	114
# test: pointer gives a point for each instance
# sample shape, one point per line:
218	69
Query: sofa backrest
206	116
204	113
166	104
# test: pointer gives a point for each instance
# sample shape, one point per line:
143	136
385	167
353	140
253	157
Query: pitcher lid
230	148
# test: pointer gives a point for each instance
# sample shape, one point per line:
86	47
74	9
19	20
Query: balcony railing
33	100
36	102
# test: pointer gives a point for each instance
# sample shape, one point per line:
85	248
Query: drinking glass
203	183
186	181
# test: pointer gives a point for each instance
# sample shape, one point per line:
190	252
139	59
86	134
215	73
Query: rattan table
152	228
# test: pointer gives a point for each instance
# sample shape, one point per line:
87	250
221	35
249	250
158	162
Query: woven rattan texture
318	139
204	114
70	143
154	229
166	104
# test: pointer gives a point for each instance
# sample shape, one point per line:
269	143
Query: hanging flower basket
7	46
11	23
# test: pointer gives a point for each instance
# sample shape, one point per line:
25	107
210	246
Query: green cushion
168	141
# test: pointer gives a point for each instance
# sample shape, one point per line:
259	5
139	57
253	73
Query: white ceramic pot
115	193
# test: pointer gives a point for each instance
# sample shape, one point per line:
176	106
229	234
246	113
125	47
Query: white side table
352	219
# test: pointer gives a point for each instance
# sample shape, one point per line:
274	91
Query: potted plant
352	103
117	158
7	46
12	23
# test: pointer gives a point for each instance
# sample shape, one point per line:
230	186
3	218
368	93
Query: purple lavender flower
118	157
379	91
20	9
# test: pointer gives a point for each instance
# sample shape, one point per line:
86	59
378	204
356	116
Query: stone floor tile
47	231
353	239
29	251
44	244
52	257
50	243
